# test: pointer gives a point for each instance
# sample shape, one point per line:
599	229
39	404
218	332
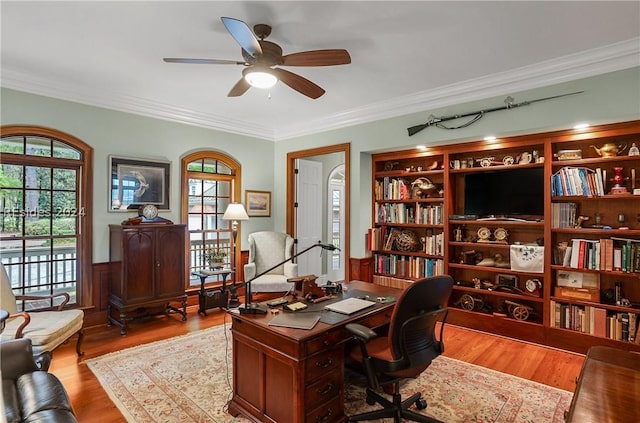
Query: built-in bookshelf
567	274
407	239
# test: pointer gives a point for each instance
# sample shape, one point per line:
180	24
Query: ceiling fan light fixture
260	77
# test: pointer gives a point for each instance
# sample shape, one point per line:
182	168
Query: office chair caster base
421	404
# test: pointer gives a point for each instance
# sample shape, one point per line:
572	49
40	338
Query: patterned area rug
188	378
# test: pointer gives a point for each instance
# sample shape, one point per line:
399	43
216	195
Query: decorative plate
508	160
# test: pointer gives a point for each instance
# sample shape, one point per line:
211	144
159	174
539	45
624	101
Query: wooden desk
608	389
294	375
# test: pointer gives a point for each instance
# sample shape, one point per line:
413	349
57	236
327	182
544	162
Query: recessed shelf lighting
421	147
490	138
581	126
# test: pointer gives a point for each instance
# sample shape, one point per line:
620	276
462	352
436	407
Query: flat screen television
505	193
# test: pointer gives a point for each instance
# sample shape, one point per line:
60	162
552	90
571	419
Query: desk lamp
234	212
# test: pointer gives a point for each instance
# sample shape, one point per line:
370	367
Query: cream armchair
266	249
46	329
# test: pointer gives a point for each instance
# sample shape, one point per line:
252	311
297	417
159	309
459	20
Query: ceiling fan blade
298	83
240	88
243	35
202	61
318	58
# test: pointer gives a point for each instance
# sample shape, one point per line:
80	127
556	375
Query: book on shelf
596	321
580	181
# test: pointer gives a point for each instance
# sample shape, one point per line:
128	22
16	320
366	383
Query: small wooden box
584	294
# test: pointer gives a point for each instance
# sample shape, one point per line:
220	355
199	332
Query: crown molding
131	104
611	58
614	57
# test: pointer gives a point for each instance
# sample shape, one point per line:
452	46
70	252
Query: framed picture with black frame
135	182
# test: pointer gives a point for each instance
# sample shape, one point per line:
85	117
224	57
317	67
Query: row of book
408	266
608	254
578	181
392	189
391	281
596	321
563	215
407	213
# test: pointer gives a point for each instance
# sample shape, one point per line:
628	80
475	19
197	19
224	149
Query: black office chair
407	350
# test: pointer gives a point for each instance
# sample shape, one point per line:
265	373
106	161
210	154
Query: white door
309	213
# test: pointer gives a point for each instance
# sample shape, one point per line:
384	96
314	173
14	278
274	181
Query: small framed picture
507	280
258	203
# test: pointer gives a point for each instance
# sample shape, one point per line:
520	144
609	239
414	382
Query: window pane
210	166
64	151
64	179
195	166
12	145
223	169
37	146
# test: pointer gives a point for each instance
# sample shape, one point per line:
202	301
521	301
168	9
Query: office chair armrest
59	307
361	332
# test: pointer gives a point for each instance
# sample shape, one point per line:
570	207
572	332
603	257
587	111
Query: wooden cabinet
407	238
521	176
148	262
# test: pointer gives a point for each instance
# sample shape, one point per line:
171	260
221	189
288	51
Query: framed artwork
134	182
258	203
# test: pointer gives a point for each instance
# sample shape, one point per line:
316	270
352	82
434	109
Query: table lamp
234	212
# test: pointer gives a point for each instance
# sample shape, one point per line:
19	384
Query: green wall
123	134
607	98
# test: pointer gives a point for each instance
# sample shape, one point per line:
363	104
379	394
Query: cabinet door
138	265
169	264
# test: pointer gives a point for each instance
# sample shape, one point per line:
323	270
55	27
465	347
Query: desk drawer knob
325	417
326	364
325	391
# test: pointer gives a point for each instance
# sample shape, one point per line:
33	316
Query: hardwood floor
534	362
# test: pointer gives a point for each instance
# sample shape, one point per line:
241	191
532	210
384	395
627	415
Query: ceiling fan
263	58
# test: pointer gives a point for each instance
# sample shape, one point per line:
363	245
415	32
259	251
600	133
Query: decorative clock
148	211
533	286
149	214
501	234
484	234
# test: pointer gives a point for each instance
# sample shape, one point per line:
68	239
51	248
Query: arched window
210	181
45	216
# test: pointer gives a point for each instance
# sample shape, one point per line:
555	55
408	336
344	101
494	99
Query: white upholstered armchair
266	249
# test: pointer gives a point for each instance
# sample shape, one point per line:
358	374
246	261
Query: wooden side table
216	297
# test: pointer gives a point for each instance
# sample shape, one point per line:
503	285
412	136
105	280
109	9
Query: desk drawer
322	342
323	363
331	412
324	389
377	320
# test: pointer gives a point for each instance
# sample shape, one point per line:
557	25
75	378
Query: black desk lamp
234	212
255	308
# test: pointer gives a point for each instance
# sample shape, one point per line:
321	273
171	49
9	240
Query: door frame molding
292	156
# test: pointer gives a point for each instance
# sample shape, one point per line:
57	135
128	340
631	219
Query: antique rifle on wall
509	104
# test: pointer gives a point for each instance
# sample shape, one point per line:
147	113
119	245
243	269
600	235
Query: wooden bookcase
491	293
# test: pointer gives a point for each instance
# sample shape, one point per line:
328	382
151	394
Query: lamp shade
259	77
235	211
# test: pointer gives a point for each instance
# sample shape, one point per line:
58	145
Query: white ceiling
406	56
